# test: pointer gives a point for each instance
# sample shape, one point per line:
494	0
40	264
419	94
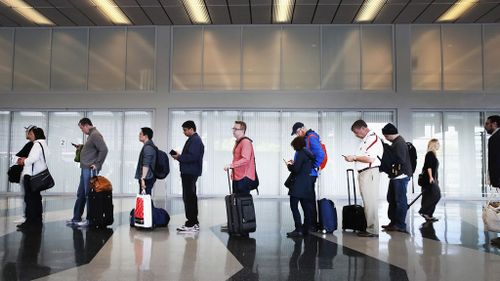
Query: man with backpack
399	171
147	160
313	144
191	166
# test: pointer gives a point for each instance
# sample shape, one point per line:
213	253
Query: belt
368	168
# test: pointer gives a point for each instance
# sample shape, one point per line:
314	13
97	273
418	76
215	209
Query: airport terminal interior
431	68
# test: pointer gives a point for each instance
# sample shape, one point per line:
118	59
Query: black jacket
494	159
400	149
301	168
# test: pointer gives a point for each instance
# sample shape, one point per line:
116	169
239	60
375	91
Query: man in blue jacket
146	163
313	144
191	165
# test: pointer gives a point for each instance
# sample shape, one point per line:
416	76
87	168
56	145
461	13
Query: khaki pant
369	181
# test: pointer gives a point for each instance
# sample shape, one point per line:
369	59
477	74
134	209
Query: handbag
491	215
423	179
41	181
290	180
100	184
14	173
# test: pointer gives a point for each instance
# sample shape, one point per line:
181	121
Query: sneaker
224	228
196	226
83	223
72	222
188	229
366	234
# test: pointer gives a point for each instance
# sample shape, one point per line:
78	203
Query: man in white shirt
366	162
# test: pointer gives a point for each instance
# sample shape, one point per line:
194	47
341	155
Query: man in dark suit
491	126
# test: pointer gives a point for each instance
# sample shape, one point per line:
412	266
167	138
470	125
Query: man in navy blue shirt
191	165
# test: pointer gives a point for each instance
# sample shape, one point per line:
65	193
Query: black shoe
34	226
386	225
294	233
367	234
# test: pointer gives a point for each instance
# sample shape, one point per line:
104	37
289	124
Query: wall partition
270	132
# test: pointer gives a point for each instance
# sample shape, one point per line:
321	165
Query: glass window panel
134	120
301	55
63	130
140	58
427	125
221	58
5	161
261	58
20	120
6	59
462	57
110	125
186	58
107	59
491	57
426	57
31	60
341	61
264	129
376	54
69	59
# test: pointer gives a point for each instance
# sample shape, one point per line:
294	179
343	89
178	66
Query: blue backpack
162	166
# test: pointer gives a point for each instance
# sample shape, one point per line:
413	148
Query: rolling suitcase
353	216
327	216
240	212
100	209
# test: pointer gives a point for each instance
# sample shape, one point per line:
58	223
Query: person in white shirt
33	164
366	161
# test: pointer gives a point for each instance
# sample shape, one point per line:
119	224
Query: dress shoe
367	234
294	233
394	228
386	225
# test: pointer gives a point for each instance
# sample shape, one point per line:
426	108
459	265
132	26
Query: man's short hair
494	119
242	124
85	121
359	124
189	125
147	132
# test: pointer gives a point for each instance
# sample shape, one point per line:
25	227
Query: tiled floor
454	248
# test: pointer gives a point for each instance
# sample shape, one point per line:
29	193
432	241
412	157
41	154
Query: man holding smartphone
191	166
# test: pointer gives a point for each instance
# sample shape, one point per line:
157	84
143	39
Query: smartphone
74	144
173	152
285	161
343	155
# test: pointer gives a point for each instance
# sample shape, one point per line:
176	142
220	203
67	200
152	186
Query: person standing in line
191	167
491	126
243	163
92	158
147	159
430	191
396	194
313	144
367	162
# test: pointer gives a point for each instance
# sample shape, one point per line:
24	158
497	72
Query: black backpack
162	166
389	162
413	156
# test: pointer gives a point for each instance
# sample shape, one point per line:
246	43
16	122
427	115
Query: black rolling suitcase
240	212
353	216
100	209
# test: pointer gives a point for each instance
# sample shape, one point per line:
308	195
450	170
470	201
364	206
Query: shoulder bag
41	181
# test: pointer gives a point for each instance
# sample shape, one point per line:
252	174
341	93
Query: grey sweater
94	151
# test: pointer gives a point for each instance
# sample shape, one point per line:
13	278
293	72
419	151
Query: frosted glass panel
341	63
140	59
31	60
462	57
491	57
134	121
186	58
5	161
264	129
301	55
6	47
110	124
18	133
426	57
69	59
64	130
107	59
221	58
376	53
427	125
261	58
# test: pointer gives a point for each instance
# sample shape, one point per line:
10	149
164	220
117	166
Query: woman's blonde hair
433	145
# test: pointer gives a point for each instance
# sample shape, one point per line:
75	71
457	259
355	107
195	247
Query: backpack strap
374	142
44	159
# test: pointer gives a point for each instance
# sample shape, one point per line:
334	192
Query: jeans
149	185
82	194
398	203
190	199
294	206
242	186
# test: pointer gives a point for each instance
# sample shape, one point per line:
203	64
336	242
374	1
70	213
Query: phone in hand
286	163
173	152
74	144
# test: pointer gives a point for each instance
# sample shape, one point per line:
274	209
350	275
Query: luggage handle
349	186
229	181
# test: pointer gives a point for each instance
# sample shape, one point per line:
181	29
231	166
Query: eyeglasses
236	129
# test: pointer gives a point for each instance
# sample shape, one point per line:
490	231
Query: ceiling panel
15	17
411	12
92	12
126	3
261	11
240	14
4	21
325	11
219	14
78	17
149	3
136	15
492	16
176	12
157	15
347	12
476	12
434	11
55	16
303	12
61	3
390	11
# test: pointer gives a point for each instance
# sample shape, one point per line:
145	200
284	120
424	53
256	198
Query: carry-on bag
353	216
161	218
143	214
327	216
100	209
240	212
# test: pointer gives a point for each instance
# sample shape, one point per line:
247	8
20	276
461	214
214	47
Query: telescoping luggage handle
349	186
228	181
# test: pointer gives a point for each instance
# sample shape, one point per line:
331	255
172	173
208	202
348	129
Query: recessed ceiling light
111	10
27	11
369	10
457	10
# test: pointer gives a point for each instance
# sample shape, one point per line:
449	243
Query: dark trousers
294	207
190	199
242	186
398	203
430	197
312	205
149	185
34	207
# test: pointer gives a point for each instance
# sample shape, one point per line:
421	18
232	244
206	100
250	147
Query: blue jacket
147	157
303	162
191	158
313	144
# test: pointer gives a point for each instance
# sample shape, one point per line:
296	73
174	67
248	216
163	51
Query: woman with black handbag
430	184
300	188
34	164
